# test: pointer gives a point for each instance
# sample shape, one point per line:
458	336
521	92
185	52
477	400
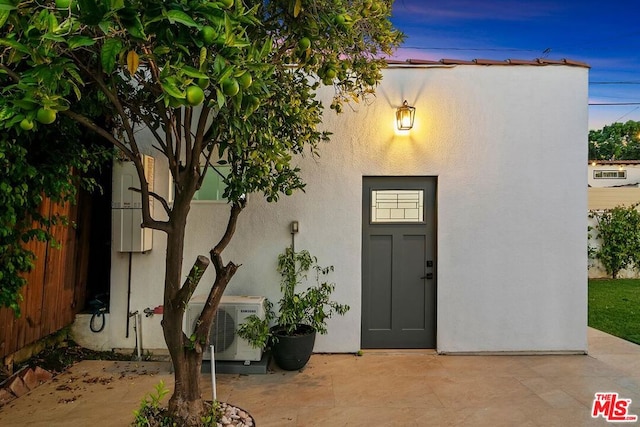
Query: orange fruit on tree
230	86
63	4
26	124
208	34
245	80
304	43
46	116
195	95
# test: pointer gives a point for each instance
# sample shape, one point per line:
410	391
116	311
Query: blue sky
604	34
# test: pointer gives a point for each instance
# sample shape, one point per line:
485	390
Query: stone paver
381	388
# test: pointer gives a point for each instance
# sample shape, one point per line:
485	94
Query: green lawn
614	307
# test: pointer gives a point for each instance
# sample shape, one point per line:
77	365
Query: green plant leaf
4	15
181	18
109	54
136	29
14	45
116	4
79	41
192	72
170	86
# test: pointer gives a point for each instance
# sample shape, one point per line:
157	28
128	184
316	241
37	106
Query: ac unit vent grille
232	311
223	331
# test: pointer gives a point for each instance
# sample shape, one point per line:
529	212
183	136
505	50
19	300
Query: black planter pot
292	352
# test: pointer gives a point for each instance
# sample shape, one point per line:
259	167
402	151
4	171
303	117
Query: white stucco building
496	260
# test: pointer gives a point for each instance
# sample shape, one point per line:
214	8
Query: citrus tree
214	83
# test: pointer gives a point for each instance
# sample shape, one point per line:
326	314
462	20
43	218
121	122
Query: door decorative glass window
401	206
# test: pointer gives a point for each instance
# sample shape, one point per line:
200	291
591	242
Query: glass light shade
405	116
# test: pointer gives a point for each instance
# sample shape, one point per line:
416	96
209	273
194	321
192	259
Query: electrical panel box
126	212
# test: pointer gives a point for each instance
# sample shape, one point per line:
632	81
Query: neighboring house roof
446	61
614	162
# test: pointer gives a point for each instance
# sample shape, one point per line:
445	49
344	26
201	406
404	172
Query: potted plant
301	313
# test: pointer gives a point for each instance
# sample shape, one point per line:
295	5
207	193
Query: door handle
429	276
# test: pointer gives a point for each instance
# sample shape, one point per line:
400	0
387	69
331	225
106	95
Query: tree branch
191	282
14	76
86	122
113	99
156	196
216	252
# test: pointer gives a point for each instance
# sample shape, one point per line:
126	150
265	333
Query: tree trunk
186	403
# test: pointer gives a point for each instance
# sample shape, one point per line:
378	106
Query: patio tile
380	388
478	392
377	416
493	416
391	392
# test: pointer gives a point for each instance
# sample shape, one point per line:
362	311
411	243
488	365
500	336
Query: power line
616	83
625	115
494	49
613	103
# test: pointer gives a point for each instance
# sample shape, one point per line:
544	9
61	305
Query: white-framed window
609	174
213	185
397	206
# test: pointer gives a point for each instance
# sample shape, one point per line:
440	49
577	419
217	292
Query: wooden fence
56	286
601	198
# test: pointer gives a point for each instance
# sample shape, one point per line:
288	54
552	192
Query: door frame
430	212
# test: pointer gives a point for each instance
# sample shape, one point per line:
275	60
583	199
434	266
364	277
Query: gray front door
398	262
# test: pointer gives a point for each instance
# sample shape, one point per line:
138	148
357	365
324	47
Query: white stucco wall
511	240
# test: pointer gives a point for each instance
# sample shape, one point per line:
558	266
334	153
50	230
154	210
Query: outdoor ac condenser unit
233	310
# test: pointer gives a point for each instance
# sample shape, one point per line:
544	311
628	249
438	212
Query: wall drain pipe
129	295
136	328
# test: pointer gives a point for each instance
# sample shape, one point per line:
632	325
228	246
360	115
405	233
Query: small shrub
618	231
151	414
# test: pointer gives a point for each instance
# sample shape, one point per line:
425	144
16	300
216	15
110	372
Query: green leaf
170	86
54	38
79	41
76	90
6	5
109	54
136	29
297	8
117	4
52	22
161	50
105	26
181	18
4	15
74	74
192	72
221	98
14	45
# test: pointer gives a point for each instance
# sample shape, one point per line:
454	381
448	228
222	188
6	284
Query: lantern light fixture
405	116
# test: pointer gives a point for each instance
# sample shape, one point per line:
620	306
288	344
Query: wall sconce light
295	227
405	116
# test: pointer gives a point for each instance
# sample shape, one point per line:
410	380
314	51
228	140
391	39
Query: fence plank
49	297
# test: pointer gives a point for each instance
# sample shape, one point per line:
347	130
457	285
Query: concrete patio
381	388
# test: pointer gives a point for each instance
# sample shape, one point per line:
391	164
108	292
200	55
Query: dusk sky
604	34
